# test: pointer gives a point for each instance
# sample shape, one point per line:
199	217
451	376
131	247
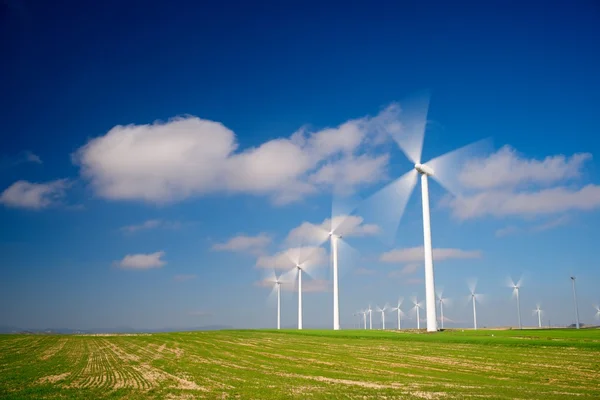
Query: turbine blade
409	132
472	285
341	208
450	169
386	206
348	258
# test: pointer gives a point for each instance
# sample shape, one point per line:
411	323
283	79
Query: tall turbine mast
278	303
425	171
575	298
299	296
336	309
539	314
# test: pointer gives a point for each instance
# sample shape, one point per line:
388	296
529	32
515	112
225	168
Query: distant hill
121	329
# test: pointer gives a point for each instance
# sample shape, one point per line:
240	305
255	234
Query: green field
543	364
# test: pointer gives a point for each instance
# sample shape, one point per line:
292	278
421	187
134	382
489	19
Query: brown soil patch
53	378
54	349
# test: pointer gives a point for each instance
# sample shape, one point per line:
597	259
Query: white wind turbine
276	281
339	224
538	311
388	204
399	311
417	306
370	311
443	300
302	258
474	297
516	288
364	314
382	311
597	307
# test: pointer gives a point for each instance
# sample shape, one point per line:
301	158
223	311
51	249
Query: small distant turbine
370	311
516	287
382	311
397	308
575	298
442	300
474	297
416	308
597	311
364	314
277	281
538	311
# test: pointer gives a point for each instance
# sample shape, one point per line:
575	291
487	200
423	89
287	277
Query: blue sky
275	103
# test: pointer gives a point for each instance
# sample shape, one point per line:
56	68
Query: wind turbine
397	308
389	203
364	313
276	281
442	300
416	308
539	315
516	287
382	311
370	311
597	311
474	297
575	298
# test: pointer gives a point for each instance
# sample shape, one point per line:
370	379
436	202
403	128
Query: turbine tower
382	311
416	308
474	297
389	203
397	308
597	311
364	313
370	317
334	254
575	298
539	315
516	287
442	300
276	281
299	268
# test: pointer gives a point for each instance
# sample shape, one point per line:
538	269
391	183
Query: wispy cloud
364	271
554	223
200	313
310	257
508	184
142	261
247	244
184	278
151	224
167	161
507	230
21	158
34	196
416	254
345	225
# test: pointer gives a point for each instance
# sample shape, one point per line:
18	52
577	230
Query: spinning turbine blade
472	285
386	206
449	168
410	132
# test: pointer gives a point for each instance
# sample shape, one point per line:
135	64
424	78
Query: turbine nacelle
424	169
335	235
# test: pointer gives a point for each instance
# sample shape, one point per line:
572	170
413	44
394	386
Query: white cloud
416	254
526	203
308	286
508	230
506	168
143	261
554	223
364	271
507	184
187	156
351	225
243	243
310	257
184	277
31	157
36	196
149	224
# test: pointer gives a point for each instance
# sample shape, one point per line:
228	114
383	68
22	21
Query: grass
495	364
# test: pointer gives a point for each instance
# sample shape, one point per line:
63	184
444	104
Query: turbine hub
424	169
